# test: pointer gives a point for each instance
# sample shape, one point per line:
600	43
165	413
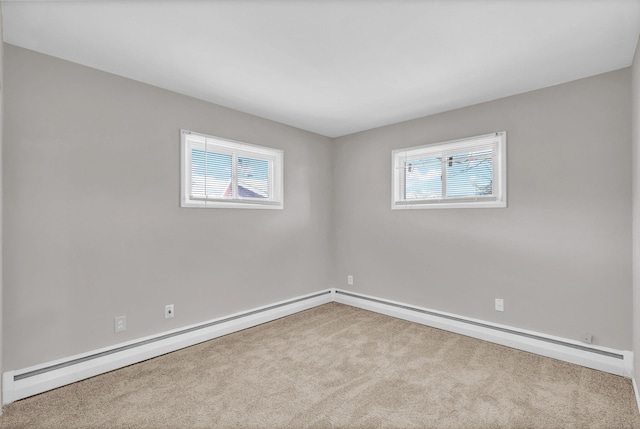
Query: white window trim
188	139
499	197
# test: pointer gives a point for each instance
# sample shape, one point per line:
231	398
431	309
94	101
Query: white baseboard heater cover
23	383
26	382
601	358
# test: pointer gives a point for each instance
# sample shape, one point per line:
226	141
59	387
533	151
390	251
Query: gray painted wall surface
559	255
1	196
93	222
635	124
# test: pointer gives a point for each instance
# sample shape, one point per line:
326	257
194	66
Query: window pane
462	173
221	173
470	174
210	174
253	178
423	179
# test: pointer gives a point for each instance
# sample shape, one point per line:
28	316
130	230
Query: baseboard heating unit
30	381
601	358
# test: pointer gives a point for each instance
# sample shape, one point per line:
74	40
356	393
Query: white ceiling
335	67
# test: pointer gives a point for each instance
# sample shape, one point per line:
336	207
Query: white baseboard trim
20	384
601	358
30	381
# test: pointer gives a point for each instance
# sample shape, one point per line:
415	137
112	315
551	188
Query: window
223	173
463	173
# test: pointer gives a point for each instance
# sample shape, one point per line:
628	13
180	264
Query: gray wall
635	124
93	222
1	198
559	255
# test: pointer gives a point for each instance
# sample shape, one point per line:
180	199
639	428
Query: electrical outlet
168	311
120	324
350	280
499	304
587	337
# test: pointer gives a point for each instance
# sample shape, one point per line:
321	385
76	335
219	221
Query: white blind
470	174
423	179
253	178
211	174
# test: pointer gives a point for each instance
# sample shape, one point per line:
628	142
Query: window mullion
206	171
401	170
234	176
443	172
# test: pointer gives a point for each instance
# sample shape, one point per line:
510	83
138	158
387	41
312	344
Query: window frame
497	142
236	149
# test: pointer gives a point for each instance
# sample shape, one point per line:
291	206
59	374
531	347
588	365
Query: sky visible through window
211	174
468	175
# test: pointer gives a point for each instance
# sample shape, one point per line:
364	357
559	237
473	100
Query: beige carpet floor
338	366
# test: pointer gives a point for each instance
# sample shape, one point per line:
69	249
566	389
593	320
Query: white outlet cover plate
168	311
120	324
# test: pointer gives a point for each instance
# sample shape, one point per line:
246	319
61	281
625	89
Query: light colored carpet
338	366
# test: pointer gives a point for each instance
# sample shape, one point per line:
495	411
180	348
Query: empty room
322	214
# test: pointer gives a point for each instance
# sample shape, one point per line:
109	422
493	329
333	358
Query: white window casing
222	173
464	173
